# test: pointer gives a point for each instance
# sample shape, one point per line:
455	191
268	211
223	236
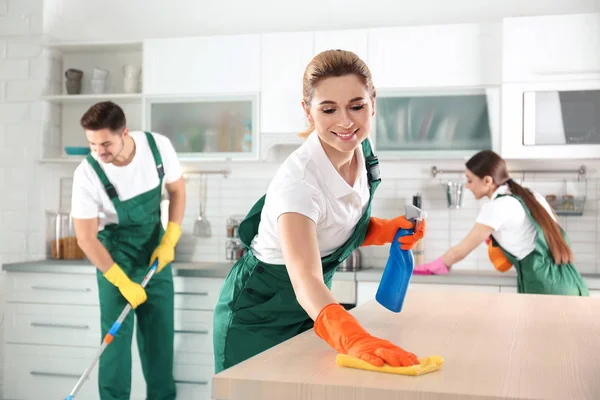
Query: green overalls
131	243
537	273
257	307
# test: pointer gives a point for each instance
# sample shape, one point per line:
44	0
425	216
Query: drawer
194	331
47	372
196	293
51	288
41	373
52	325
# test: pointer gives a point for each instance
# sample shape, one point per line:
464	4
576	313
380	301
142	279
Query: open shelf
78	98
91	47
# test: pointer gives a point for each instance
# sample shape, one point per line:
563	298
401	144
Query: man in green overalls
117	192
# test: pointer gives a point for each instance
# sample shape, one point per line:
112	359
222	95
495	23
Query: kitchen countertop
495	346
220	270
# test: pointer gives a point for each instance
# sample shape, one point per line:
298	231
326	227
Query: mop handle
110	336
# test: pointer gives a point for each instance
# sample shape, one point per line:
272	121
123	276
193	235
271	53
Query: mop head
429	364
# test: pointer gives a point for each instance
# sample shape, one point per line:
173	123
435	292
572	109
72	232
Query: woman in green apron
316	211
521	230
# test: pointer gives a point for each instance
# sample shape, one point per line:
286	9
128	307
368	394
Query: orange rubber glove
498	258
382	231
342	331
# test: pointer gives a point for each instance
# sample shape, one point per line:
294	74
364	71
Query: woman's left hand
436	267
382	231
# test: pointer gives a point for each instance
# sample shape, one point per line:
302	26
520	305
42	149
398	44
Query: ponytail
561	253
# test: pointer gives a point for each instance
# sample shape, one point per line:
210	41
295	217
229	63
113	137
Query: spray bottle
399	267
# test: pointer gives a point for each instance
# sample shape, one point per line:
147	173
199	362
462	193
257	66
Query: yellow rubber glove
165	252
427	365
133	292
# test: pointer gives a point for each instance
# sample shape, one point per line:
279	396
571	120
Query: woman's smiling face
341	111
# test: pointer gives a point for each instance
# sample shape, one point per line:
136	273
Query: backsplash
237	192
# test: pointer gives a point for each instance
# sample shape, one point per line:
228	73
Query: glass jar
233	224
60	237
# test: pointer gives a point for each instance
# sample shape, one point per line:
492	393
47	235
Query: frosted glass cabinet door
564	117
433	122
207	128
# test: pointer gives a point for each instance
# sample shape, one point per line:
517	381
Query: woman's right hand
343	332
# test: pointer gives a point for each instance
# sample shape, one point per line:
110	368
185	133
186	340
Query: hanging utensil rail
580	172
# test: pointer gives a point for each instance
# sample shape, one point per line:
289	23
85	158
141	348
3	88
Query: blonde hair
329	64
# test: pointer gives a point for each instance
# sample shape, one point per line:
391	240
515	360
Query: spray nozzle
414	214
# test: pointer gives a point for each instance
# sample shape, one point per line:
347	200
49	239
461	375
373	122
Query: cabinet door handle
64	326
193	382
54	374
193	293
201	332
61	289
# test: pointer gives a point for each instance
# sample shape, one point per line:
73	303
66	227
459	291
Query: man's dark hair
104	115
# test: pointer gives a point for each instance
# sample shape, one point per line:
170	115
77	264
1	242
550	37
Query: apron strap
108	187
372	164
156	154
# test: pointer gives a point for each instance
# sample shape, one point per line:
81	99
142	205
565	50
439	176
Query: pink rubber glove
436	267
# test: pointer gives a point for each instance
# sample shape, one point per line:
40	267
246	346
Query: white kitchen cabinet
355	40
435	56
551	48
202	65
207	127
44	356
551	120
284	57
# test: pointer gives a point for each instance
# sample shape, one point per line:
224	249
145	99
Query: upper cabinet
435	56
284	57
202	65
551	48
355	41
450	123
551	119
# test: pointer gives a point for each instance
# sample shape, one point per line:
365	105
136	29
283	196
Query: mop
109	336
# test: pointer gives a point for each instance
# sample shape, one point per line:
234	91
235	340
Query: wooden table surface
495	346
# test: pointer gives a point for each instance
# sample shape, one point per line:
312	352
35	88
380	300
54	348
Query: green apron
257	307
131	243
538	274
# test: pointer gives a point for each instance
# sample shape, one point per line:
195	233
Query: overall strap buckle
161	171
373	172
111	191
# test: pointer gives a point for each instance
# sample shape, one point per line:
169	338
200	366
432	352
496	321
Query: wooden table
495	346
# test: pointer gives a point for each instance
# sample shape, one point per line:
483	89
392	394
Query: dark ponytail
488	163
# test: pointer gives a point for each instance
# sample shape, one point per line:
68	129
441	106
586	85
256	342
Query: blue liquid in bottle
396	275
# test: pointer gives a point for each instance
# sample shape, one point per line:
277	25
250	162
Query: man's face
106	143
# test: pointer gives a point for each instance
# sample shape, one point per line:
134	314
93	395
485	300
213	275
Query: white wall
137	19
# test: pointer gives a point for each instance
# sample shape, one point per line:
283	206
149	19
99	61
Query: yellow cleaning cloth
427	365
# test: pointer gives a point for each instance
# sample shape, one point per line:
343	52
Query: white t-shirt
512	228
89	198
308	184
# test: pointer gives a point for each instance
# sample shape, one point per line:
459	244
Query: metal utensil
202	226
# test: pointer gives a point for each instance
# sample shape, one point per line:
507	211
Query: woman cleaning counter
494	347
